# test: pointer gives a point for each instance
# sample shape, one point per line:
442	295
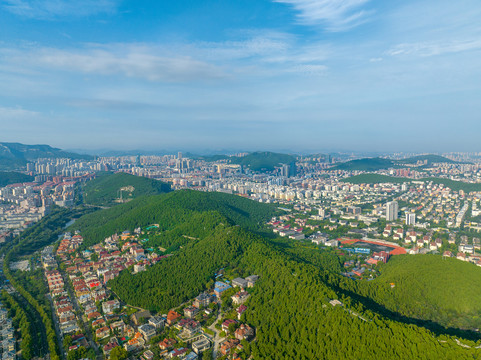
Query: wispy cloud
16	113
425	49
260	55
51	9
130	60
333	15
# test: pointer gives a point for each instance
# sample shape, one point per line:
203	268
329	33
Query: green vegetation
378	179
31	291
263	161
374	164
11	177
444	290
106	188
368	164
170	210
431	159
184	275
15	155
289	306
42	311
20	321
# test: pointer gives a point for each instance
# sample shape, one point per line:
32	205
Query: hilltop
16	155
289	306
431	159
444	290
107	188
379	179
374	164
171	209
263	161
368	164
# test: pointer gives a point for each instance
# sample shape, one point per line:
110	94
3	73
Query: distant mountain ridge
16	155
373	164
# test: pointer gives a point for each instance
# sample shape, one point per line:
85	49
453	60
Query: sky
301	75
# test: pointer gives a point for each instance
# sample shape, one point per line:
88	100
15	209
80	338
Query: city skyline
243	75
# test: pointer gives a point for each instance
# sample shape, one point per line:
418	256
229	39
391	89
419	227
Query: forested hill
368	164
108	187
444	290
289	306
16	155
263	160
11	177
429	159
169	210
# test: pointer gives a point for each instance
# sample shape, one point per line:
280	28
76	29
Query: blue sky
370	75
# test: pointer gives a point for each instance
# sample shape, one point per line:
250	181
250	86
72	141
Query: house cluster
62	303
7	338
294	232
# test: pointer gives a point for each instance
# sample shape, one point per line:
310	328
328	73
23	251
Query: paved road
78	309
217	338
57	328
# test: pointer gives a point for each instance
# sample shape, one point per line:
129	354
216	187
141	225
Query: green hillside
263	160
289	306
16	155
11	177
379	178
105	189
429	158
172	209
374	179
368	164
444	290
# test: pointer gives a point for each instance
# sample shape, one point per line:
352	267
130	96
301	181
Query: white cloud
426	49
49	9
17	113
134	61
270	54
334	15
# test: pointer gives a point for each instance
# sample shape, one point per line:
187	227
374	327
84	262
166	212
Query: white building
392	209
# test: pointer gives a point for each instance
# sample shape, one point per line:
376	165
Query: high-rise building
392	209
179	155
410	218
322	212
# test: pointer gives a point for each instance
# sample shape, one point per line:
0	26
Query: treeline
46	319
12	177
21	322
170	210
184	275
289	308
429	287
104	190
44	233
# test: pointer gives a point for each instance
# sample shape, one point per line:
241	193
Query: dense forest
106	188
263	161
12	177
378	178
290	304
444	290
170	210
